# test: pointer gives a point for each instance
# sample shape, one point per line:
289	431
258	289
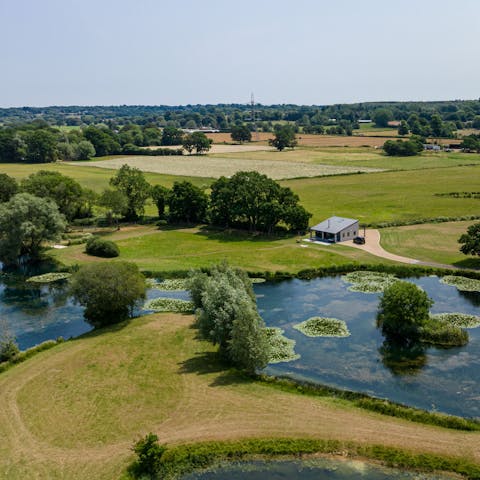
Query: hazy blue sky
64	52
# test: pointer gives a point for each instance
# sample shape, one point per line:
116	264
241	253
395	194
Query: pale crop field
203	166
221	148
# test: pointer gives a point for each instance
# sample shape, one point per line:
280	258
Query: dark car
359	240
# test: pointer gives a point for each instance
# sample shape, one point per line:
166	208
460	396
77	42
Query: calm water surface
318	469
35	313
446	380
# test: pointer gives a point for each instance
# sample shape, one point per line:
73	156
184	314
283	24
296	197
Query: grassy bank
183	459
74	411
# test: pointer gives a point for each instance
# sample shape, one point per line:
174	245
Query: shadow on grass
207	363
113	328
233	235
473	263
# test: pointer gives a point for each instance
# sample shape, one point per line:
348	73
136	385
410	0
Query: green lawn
429	242
167	250
390	196
360	157
91	177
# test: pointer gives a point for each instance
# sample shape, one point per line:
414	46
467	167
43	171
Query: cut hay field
215	167
359	157
311	140
221	148
75	410
429	242
182	249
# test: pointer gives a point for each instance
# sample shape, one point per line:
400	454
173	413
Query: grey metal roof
334	224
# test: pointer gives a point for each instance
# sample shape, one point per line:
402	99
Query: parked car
359	240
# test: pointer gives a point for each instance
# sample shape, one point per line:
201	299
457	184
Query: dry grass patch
214	167
312	140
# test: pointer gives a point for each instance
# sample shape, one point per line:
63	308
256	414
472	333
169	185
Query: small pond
446	380
317	469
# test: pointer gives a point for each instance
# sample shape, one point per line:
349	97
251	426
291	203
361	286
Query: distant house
432	147
335	229
364	120
394	123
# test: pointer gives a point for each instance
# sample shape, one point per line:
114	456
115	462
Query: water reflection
423	376
472	297
403	359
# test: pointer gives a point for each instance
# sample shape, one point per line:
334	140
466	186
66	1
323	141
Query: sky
311	52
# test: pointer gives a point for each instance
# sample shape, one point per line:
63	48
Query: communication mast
254	117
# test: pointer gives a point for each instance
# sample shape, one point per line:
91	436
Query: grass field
390	196
374	197
91	177
182	249
430	242
74	411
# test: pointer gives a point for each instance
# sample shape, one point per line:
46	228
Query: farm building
335	229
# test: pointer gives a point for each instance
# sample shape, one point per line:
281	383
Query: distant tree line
334	119
37	142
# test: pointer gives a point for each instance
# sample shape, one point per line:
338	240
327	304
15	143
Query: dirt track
372	245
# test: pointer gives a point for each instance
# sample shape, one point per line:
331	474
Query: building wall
348	233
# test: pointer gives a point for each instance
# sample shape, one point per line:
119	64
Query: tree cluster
403	148
227	316
284	137
26	222
471	143
241	133
197	141
470	241
404	309
109	291
431	126
255	201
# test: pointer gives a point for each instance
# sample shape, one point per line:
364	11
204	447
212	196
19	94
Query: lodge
335	229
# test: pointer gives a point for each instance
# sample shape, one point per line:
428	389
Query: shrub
102	248
443	333
149	454
8	349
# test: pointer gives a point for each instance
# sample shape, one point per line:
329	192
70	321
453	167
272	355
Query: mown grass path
74	411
